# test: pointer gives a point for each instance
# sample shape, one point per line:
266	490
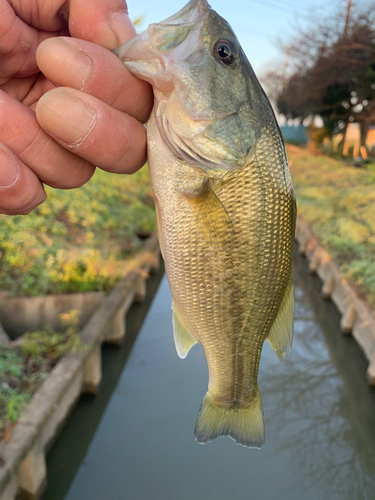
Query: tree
332	72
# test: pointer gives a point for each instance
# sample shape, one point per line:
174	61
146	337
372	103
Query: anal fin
281	333
183	339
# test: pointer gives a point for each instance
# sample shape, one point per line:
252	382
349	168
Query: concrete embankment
358	318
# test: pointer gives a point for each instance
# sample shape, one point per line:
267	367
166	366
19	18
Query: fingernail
65	116
122	27
65	57
8	169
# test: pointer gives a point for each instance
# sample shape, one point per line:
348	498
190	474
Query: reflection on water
320	408
319	412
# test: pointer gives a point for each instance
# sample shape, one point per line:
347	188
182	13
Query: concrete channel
23	469
134	440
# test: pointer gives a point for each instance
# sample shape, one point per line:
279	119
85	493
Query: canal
134	440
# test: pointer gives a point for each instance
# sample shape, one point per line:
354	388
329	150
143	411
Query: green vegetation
338	201
48	343
77	240
24	367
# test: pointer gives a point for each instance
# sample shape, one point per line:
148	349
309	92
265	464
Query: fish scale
225	208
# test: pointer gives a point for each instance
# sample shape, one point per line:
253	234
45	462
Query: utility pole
286	64
349	6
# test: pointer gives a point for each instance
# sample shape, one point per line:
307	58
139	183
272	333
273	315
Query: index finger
104	23
23	25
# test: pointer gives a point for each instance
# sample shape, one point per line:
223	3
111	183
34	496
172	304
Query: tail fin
244	425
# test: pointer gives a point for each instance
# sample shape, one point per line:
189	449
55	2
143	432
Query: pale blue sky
257	23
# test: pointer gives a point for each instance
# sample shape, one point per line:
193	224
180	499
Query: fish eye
225	51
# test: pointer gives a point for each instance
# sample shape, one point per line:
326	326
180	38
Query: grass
338	201
24	367
78	240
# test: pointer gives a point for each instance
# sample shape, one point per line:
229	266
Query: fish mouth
192	11
143	57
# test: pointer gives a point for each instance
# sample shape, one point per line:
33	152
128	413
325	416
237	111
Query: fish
225	206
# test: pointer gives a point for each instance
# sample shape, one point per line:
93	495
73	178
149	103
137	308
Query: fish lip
124	48
187	13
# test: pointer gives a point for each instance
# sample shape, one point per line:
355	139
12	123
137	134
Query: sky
257	23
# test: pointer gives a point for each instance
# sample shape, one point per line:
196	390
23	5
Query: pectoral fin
281	334
212	215
183	339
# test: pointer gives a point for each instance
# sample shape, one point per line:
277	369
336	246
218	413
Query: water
319	417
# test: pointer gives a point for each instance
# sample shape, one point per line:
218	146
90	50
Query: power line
297	3
269	3
254	32
279	7
347	16
290	4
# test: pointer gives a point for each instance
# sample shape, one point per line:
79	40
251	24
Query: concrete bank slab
357	317
23	466
21	314
4	338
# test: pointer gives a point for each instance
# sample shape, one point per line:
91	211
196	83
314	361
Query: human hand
85	110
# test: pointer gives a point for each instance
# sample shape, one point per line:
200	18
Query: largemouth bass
225	207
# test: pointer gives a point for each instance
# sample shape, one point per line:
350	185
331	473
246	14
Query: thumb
104	23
